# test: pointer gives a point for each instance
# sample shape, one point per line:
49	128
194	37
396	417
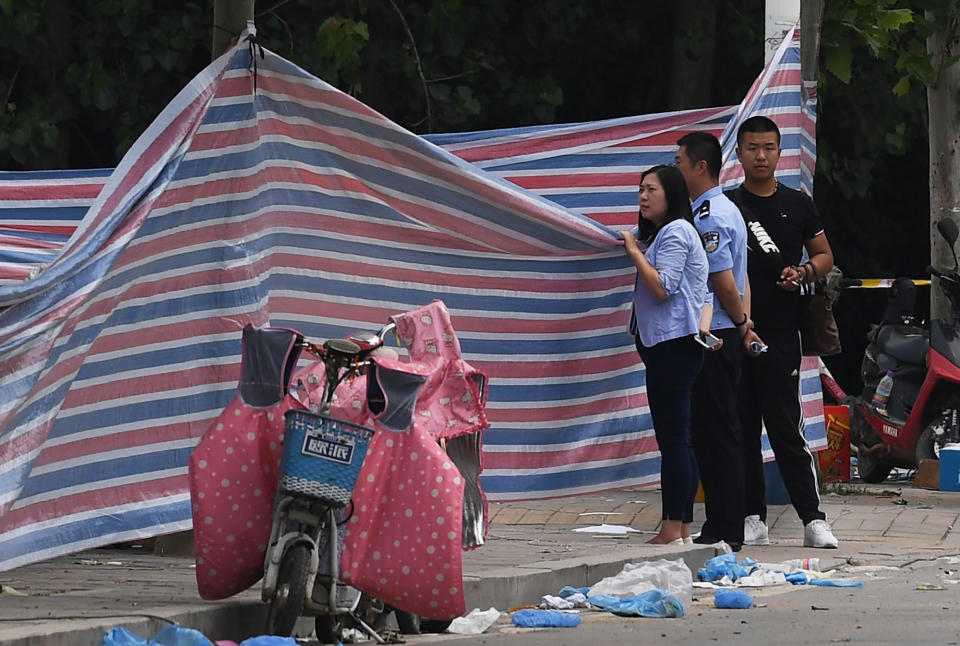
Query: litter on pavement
607	529
474	622
545	619
725	571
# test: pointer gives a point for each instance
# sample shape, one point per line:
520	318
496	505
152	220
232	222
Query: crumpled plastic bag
732	599
653	603
725	565
545	619
836	583
761	579
576	600
568	591
169	636
474	622
637	578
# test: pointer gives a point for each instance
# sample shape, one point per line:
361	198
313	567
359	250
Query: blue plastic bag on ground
545	619
169	636
797	578
836	583
653	603
567	591
732	599
724	565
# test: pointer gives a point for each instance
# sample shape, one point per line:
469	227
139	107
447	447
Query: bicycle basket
322	456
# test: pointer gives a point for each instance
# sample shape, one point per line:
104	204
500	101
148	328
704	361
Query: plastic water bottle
812	564
882	395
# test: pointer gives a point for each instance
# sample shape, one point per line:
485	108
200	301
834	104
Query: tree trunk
229	19
811	17
944	129
694	37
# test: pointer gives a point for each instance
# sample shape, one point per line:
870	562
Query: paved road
532	550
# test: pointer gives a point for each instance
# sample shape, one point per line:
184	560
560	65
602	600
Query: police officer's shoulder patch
711	241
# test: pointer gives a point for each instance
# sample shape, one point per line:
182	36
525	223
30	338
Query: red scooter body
923	411
901	436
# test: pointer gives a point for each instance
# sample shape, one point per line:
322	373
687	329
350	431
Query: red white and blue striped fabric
287	202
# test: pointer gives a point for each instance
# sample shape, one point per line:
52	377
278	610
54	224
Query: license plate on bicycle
335	449
322	456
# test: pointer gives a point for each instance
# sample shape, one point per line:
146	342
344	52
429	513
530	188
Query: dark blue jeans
671	370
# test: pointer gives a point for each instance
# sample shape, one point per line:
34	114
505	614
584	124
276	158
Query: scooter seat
906	343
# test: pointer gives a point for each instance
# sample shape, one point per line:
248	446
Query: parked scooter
301	567
922	411
428	405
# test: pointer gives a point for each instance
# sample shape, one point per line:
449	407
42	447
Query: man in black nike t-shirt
781	224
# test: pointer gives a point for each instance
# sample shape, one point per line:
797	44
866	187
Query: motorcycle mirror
948	229
365	340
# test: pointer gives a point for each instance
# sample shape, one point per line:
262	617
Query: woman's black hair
678	201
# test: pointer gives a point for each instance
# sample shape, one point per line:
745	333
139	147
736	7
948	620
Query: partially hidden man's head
758	148
698	158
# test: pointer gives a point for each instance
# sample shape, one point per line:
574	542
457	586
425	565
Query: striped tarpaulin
288	202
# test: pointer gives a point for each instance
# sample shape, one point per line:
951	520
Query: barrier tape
883	283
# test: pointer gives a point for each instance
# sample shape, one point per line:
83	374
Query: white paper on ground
600	513
474	622
618	530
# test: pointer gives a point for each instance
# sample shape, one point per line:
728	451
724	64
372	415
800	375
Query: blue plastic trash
836	583
723	565
732	599
170	636
568	591
797	578
545	619
653	603
269	640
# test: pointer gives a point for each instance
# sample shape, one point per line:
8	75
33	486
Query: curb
240	618
509	587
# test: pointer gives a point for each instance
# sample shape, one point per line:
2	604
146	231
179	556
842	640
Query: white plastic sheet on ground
636	578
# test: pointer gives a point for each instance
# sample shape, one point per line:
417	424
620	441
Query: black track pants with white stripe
770	393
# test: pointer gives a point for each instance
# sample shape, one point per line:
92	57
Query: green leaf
839	60
893	19
7	7
902	86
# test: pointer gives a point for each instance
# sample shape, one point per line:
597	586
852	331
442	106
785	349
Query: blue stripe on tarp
97	470
512	434
43	214
149	514
158	409
34	175
643	467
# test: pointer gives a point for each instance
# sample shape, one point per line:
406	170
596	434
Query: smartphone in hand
707	341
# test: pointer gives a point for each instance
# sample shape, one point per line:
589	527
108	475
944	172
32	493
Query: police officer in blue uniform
716	430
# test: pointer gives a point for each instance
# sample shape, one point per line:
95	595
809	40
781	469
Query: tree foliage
82	78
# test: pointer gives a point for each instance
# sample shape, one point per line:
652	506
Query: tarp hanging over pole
293	204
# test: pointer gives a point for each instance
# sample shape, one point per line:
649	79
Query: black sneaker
703	539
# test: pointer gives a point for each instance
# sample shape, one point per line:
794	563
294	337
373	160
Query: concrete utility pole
229	19
944	131
811	18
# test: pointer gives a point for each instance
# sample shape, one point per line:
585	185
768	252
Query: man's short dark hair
756	125
702	146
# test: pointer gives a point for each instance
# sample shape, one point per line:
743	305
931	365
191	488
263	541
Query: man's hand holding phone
753	344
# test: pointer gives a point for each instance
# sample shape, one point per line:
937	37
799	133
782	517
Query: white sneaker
755	531
817	533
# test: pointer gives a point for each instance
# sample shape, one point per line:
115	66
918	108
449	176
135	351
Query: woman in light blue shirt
668	304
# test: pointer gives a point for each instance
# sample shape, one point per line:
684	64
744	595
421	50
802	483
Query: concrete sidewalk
531	550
